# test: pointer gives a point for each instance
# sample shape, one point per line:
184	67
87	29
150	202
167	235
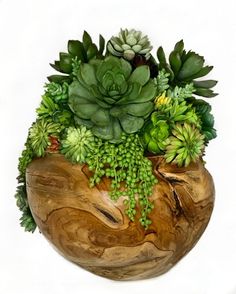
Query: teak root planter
91	230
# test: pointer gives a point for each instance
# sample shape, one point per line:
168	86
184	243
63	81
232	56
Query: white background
32	32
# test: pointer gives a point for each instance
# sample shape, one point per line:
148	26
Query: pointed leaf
59	79
92	51
203	72
205	92
101	44
207	84
179	47
175	61
161	55
87	41
65	62
75	48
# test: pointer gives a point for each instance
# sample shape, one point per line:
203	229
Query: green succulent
184	67
39	135
77	143
110	98
186	145
27	220
80	51
128	44
155	136
162	81
203	111
58	92
24	160
173	111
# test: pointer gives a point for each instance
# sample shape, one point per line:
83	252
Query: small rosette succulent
186	145
128	44
77	143
155	136
109	98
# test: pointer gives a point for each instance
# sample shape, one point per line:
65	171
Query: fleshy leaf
140	75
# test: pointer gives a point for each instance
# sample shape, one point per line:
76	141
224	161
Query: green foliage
155	136
54	104
24	160
128	44
26	220
184	67
39	135
203	110
162	81
174	111
130	171
80	51
77	143
181	93
110	99
186	145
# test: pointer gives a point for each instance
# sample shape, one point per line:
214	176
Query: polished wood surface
91	230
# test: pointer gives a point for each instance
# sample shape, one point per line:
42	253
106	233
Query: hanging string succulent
112	110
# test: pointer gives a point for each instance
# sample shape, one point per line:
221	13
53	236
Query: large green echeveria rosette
110	98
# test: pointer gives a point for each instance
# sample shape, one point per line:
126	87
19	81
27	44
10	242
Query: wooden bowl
91	230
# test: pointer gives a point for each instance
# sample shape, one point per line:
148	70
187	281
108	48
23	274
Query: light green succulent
155	136
39	135
128	44
186	145
110	98
58	92
77	143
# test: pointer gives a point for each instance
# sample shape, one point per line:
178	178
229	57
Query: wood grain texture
91	230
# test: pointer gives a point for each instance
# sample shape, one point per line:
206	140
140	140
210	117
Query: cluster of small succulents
113	110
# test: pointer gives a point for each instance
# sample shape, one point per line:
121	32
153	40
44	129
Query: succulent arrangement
112	107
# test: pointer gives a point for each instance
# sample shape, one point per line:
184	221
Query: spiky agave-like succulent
128	44
77	143
184	67
186	145
39	135
110	98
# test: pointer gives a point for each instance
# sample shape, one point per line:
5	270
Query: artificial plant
114	110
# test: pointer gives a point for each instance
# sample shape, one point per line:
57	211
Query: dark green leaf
161	55
92	51
87	41
59	79
75	48
205	92
204	84
101	44
191	66
56	66
65	62
179	47
175	61
203	72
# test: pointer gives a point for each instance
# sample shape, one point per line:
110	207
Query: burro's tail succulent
129	43
110	98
